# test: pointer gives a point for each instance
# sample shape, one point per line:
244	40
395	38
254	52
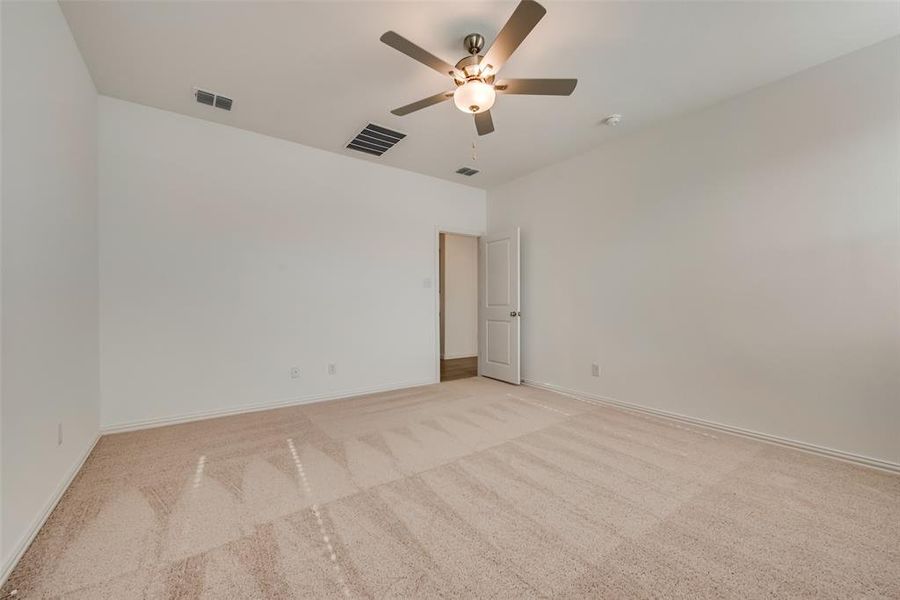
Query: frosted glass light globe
474	96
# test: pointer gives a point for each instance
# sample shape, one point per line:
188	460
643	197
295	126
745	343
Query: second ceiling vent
467	171
375	140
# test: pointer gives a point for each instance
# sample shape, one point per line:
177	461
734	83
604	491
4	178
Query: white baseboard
866	461
455	356
22	545
249	408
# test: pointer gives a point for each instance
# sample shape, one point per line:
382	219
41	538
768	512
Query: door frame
438	230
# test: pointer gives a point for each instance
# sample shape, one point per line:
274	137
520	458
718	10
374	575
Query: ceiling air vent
223	102
375	140
212	99
205	97
467	171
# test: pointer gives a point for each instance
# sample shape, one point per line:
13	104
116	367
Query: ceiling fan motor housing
473	42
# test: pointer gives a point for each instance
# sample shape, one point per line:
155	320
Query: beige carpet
465	489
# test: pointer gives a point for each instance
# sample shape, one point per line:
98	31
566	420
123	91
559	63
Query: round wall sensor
612	120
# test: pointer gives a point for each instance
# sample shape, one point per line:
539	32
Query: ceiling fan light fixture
474	96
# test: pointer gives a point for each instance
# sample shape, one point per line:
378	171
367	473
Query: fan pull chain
474	152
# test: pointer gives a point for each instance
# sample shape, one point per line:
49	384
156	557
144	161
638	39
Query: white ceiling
316	73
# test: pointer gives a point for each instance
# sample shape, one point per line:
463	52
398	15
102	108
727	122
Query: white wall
228	257
49	349
460	296
740	264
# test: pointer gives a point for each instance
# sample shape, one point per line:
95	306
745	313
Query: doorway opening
458	310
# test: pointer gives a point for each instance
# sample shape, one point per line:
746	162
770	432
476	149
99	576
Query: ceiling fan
474	75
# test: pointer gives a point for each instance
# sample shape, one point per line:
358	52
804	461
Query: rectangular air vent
223	102
212	99
375	140
205	97
467	171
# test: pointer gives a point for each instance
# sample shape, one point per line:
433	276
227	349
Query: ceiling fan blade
537	87
400	43
484	123
520	24
423	103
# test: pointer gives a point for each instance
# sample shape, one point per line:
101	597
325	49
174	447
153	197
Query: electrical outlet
331	369
59	437
595	369
295	372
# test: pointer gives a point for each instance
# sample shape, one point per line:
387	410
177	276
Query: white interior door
498	307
